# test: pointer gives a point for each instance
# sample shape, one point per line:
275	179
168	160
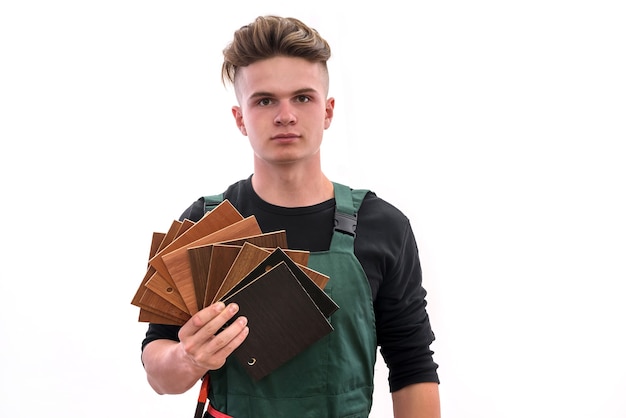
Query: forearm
420	400
167	368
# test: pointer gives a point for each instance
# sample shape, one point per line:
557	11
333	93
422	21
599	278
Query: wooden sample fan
226	257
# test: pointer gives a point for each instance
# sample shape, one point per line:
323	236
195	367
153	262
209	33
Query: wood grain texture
222	216
177	261
282	318
157	240
318	278
142	287
199	261
225	256
326	305
169	237
222	257
266	240
152	302
167	291
158	304
298	256
156	318
249	257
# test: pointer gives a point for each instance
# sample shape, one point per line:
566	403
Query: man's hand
175	367
198	339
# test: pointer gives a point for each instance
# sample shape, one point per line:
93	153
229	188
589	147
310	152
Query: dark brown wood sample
325	304
282	318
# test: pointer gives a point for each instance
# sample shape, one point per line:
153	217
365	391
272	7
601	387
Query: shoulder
383	231
372	206
377	211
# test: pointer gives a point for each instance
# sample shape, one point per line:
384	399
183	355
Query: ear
239	120
330	109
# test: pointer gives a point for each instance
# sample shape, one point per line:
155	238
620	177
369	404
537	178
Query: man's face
283	109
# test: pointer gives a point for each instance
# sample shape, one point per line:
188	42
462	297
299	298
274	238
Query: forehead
281	75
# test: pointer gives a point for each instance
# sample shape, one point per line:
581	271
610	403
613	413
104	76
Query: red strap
204	389
217	414
202	398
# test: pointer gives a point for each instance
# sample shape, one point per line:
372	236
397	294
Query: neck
289	188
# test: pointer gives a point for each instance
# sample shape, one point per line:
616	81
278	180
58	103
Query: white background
498	127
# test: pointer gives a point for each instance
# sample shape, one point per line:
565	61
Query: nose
285	115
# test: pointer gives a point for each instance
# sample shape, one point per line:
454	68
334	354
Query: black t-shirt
386	248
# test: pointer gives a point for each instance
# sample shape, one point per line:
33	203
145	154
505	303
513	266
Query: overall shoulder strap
347	204
210	202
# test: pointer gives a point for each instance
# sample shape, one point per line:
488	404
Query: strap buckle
345	223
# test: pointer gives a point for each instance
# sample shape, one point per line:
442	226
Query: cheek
247	124
255	125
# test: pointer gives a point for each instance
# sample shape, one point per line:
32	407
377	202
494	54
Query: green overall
333	378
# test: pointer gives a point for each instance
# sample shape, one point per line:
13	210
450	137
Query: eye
302	99
264	102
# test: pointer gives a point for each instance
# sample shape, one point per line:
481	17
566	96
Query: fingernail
233	307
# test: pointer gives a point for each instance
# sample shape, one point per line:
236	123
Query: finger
211	353
231	337
208	321
223	344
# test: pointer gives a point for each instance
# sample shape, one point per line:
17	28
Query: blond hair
271	36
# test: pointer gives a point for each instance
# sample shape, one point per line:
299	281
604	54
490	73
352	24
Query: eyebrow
295	93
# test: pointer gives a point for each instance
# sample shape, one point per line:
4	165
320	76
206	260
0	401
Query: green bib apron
333	378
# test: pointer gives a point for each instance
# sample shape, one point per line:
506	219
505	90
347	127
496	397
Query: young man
278	68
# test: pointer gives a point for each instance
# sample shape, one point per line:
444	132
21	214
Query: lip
285	136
